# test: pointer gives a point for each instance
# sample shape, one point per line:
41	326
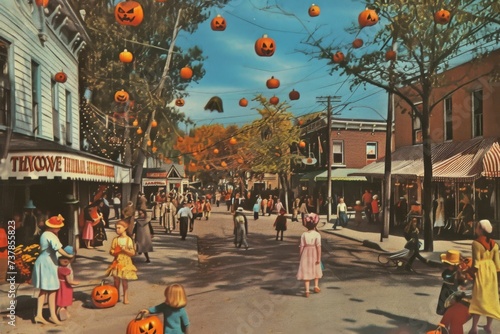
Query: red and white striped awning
491	161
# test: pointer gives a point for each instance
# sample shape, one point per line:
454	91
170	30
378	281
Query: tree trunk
427	191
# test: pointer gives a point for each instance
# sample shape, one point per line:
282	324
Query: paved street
254	291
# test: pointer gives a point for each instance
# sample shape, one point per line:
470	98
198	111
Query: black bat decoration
215	103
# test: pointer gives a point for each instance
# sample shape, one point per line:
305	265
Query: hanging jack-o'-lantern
129	13
294	95
442	16
139	131
390	55
126	56
154	149
243	102
43	3
216	151
367	18
135	122
60	77
186	73
218	23
338	57
223	164
357	43
104	296
265	46
154	124
143	324
302	144
314	10
272	83
179	102
274	100
121	96
233	141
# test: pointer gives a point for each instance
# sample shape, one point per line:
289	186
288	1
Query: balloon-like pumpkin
265	46
60	77
274	100
294	95
218	23
129	13
314	10
126	56
338	57
179	102
357	43
442	16
186	73
367	18
243	102
272	83
390	55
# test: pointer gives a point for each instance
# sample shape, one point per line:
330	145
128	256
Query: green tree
424	49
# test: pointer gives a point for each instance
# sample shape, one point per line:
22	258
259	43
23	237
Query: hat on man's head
240	209
70	199
486	225
55	222
451	257
30	205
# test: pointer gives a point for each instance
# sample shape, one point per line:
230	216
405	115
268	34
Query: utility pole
328	100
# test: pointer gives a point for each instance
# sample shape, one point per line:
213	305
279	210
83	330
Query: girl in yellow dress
122	268
486	262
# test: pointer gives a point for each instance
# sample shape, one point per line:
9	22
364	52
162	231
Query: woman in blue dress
45	269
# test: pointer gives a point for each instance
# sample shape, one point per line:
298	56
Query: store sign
51	165
149	183
156	175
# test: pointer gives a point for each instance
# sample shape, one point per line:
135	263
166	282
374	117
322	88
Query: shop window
477	113
55	111
35	97
5	102
448	122
417	126
338	152
371	152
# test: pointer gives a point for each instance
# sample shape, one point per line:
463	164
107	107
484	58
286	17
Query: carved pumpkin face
243	102
104	296
126	56
367	18
274	100
272	83
442	16
357	43
314	10
265	46
294	95
218	23
179	102
129	13
145	325
121	96
60	77
338	57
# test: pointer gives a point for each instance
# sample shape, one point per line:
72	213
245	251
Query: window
55	111
338	152
35	98
416	125
477	113
69	133
371	152
5	105
448	123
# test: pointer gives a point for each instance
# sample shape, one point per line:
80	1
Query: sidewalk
369	235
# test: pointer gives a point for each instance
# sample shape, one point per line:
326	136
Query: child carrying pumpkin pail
122	269
175	319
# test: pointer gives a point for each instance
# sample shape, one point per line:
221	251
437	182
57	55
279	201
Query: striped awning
491	161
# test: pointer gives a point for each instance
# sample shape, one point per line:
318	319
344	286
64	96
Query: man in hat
240	228
184	215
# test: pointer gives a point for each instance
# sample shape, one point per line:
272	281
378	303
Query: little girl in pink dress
310	254
64	296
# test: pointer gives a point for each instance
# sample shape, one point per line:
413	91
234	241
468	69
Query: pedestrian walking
184	215
367	201
175	318
411	233
280	224
207	208
375	209
295	209
439	217
45	275
270	205
303	211
217	198
169	215
240	229
310	255
143	233
64	296
122	269
486	261
128	214
117	204
358	212
341	214
256	210
264	206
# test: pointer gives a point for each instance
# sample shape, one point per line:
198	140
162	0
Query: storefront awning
338	174
459	161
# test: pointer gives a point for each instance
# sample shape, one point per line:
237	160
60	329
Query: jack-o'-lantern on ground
104	296
143	324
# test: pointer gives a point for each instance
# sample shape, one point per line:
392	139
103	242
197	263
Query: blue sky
234	70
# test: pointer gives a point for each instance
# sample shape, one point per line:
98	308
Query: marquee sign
53	164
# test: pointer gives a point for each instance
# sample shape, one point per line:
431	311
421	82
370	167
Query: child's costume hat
55	221
451	257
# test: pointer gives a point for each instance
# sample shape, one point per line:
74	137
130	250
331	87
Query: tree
152	79
423	48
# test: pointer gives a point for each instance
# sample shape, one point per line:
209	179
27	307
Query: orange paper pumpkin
186	73
442	16
302	144
179	102
126	56
357	43
274	100
338	57
314	10
272	83
294	95
243	102
367	18
218	23
265	46
154	124
60	77
129	13
121	96
390	55
232	141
